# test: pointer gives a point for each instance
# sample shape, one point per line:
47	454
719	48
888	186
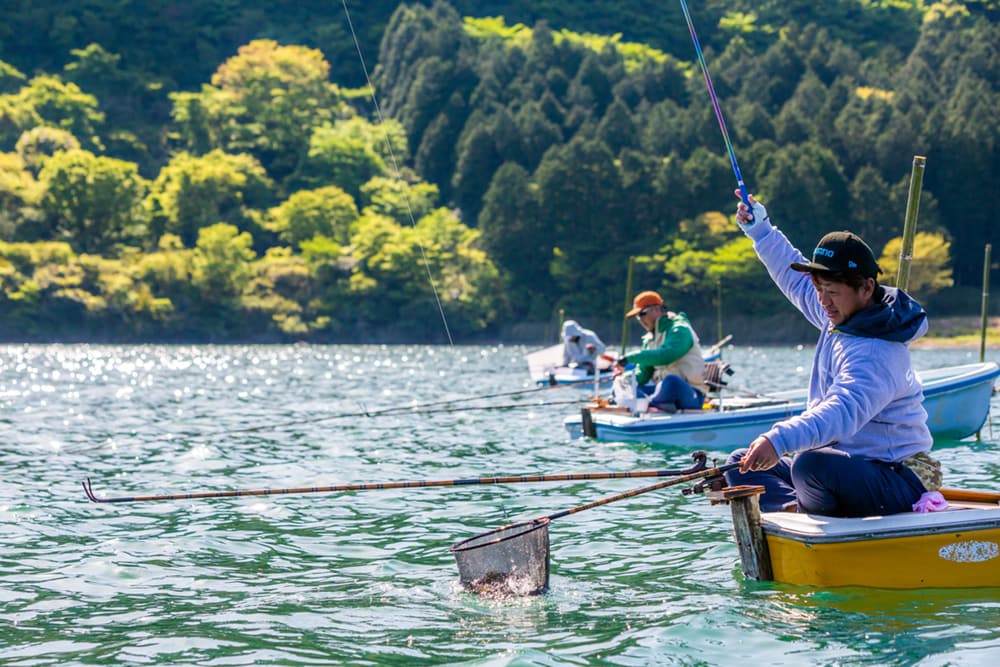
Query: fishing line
395	167
417	408
744	195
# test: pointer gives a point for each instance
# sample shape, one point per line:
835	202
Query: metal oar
699	465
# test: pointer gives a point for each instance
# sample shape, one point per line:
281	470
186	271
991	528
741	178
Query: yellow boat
958	547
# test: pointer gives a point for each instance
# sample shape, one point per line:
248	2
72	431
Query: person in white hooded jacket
581	347
865	401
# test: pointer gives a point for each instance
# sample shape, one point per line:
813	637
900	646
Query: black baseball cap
841	252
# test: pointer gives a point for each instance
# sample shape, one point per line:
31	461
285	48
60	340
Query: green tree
264	101
279	287
397	199
48	100
807	191
327	211
396	266
616	129
93	202
221	264
194	192
519	240
478	159
41	142
930	269
350	153
19	195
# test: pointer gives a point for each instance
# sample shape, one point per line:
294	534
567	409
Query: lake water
367	577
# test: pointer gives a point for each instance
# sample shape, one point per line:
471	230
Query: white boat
545	366
957	400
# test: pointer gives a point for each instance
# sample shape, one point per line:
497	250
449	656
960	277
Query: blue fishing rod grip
745	196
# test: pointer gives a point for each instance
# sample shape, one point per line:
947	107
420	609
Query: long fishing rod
487	539
699	465
744	195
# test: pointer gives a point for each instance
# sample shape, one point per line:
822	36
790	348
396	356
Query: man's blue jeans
673	392
833	483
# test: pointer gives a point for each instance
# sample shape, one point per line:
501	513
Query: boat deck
966	511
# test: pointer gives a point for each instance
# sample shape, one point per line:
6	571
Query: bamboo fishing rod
699	465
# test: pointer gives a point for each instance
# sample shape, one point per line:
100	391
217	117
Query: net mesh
513	560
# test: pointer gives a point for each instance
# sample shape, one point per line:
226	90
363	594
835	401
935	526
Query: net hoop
498	535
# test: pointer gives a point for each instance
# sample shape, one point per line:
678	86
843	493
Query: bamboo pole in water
910	224
628	303
985	306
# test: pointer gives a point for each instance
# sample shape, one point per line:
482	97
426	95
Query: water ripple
367	577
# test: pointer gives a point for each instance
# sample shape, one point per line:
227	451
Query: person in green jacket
670	368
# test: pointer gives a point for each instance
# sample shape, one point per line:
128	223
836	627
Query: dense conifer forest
223	172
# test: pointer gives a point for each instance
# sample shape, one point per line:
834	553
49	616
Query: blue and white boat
957	400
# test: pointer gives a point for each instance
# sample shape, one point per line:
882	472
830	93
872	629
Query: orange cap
644	300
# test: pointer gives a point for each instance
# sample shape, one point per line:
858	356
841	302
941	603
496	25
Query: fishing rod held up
699	457
744	194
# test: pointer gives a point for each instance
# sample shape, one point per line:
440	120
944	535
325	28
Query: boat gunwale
807	529
695	420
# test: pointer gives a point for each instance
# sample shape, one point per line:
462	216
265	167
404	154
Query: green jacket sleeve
676	343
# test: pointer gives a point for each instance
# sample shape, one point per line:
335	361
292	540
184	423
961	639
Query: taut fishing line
718	111
395	167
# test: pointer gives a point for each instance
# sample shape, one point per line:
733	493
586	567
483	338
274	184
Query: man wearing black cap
864	396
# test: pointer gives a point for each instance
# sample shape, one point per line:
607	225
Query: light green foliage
320	250
194	192
47	100
691	273
327	211
279	286
395	262
741	22
468	282
19	194
930	269
519	35
46	283
685	266
10	78
394	198
221	263
167	270
93	202
42	142
351	152
263	101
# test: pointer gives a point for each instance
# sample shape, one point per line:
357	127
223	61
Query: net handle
708	472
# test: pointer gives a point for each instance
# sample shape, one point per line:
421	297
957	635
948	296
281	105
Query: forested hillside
220	171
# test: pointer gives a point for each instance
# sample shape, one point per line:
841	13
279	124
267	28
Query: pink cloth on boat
931	501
